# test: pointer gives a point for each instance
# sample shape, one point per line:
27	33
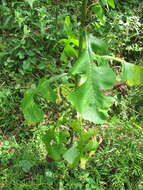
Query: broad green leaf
111	3
33	113
88	98
81	65
72	155
45	89
28	97
132	74
63	57
103	77
90	102
74	41
97	45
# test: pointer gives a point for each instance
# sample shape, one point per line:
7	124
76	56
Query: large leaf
90	102
97	45
132	74
32	112
28	97
88	98
94	45
72	155
81	65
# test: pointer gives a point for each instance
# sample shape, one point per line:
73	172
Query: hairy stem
83	24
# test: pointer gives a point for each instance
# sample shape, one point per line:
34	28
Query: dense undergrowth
30	48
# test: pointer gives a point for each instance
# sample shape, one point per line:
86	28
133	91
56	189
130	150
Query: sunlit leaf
88	98
132	74
71	155
111	3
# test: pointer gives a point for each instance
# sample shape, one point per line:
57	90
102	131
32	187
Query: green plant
94	77
117	163
70	141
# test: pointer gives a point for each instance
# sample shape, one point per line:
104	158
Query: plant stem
83	24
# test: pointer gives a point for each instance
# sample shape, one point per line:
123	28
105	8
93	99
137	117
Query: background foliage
30	49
